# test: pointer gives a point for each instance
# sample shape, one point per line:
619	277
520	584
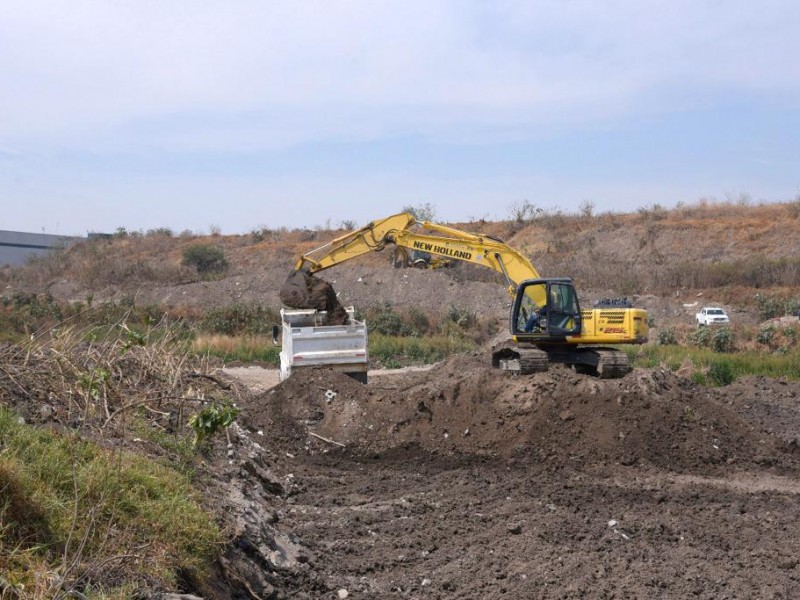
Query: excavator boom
454	244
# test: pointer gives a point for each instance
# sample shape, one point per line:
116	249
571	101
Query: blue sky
145	114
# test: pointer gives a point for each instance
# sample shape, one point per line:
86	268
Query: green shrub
765	335
240	319
719	339
212	418
387	321
419	320
792	307
666	337
207	259
700	337
721	373
722	340
462	317
768	307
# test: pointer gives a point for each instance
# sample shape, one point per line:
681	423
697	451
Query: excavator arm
445	242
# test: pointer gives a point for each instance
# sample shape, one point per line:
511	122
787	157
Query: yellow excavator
546	321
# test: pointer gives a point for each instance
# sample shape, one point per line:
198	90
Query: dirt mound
303	290
650	417
774	404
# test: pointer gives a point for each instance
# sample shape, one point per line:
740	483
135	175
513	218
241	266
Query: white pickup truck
711	315
307	341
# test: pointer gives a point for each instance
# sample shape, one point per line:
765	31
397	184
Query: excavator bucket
303	290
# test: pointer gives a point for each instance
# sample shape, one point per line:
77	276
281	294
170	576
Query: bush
523	211
211	419
765	335
419	320
769	308
666	337
461	317
240	319
421	212
388	322
718	339
207	259
721	373
722	340
160	232
699	337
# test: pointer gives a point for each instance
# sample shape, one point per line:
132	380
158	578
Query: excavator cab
546	310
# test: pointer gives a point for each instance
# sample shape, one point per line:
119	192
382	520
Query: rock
515	529
342	594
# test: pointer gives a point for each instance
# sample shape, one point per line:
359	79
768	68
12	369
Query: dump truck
308	339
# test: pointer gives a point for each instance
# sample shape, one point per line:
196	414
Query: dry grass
78	517
245	348
709	243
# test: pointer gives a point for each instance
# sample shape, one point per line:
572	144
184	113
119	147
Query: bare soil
463	482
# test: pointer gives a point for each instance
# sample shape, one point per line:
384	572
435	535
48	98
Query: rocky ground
461	482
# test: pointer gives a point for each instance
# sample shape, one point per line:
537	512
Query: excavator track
521	361
611	364
605	363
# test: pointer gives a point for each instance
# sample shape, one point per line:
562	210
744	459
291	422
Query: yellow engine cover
613	326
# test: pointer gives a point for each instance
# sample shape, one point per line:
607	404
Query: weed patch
240	319
244	348
73	513
398	351
716	368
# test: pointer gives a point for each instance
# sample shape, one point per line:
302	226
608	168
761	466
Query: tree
422	212
523	211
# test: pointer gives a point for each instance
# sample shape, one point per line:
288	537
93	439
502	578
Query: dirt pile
651	417
303	290
464	482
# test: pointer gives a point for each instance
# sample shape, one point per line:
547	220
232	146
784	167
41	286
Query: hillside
712	252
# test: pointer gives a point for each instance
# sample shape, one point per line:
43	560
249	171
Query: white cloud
202	75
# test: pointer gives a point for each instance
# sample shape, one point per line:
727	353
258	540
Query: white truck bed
307	341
